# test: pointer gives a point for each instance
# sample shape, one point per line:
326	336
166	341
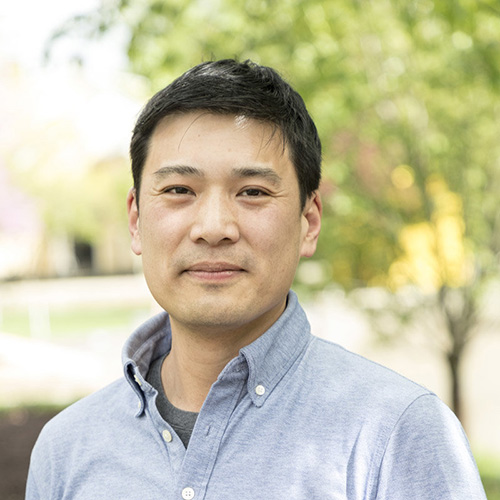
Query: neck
189	371
197	358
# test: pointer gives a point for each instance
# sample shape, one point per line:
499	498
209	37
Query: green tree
406	97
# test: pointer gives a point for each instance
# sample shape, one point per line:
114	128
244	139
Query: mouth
214	271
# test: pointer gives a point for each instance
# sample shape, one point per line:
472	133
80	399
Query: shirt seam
374	484
415	384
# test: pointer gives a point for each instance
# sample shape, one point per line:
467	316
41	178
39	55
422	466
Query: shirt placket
208	433
174	448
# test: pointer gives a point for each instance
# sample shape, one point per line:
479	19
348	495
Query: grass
491	487
489	468
69	321
34	409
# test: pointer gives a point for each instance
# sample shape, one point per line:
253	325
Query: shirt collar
148	342
271	356
268	358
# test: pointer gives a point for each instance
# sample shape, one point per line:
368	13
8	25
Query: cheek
276	237
161	230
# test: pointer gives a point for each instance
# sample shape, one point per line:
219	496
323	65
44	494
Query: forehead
221	131
219	147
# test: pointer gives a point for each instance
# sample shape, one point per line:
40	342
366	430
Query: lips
213	267
214	271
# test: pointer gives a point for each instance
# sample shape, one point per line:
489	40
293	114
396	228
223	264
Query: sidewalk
39	369
34	371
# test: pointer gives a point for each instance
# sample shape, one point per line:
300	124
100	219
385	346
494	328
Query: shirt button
167	436
187	493
260	390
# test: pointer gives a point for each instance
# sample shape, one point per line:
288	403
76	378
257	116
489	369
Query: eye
177	190
253	192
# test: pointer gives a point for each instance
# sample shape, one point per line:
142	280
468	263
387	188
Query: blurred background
405	95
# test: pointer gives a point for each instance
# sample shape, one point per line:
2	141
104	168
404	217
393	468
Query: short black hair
230	87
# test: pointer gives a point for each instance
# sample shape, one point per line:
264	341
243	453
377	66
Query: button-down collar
265	360
273	353
148	342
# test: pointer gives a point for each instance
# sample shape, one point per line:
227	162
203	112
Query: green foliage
82	204
405	95
389	83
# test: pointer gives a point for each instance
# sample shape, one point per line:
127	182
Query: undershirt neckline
181	421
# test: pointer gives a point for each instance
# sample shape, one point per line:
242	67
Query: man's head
227	161
228	87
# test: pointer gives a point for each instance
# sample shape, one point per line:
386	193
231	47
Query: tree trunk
454	364
459	309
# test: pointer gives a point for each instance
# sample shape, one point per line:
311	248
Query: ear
133	221
311	224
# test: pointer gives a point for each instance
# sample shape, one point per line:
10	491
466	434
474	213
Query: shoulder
410	435
362	378
429	445
345	386
86	416
78	436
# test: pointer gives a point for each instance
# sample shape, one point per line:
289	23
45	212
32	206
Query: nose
215	221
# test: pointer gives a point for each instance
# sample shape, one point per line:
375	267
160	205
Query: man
227	394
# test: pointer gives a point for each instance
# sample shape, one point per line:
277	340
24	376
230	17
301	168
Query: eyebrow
239	172
264	172
178	170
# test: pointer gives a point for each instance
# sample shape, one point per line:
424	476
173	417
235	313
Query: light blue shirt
291	417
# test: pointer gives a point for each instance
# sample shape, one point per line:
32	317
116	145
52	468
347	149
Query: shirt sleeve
32	492
428	457
40	471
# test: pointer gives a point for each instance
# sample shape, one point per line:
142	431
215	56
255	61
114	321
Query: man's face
219	225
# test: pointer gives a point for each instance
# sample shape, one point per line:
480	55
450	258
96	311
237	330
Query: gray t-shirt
181	421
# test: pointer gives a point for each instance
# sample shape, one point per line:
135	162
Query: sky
101	99
56	118
26	24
